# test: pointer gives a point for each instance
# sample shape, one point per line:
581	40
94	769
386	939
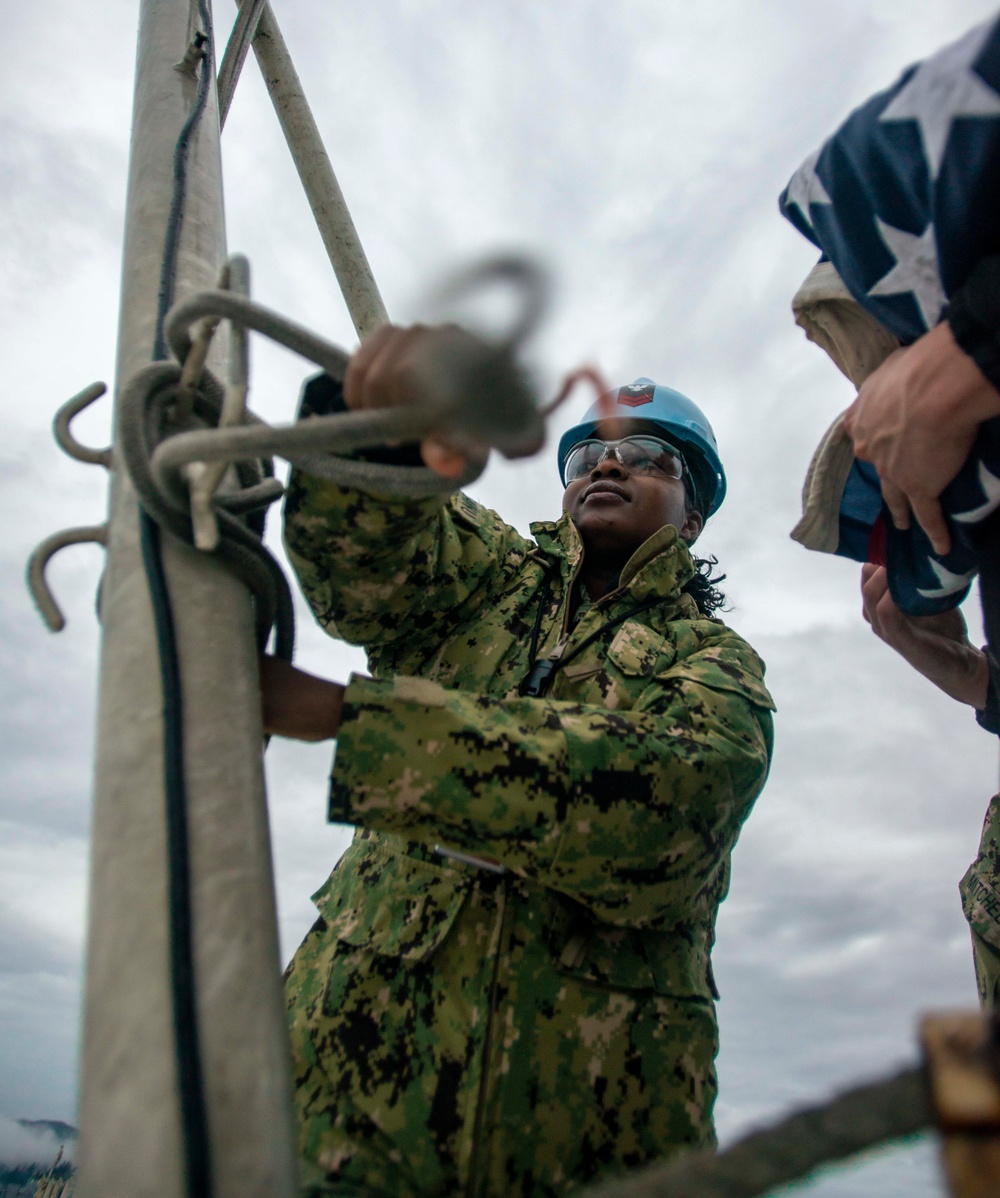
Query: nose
609	467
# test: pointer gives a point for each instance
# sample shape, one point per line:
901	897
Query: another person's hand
383	373
936	646
296	704
915	420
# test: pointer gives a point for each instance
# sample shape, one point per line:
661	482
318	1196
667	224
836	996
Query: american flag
904	200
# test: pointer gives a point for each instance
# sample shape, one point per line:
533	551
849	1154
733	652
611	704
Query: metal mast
132	1143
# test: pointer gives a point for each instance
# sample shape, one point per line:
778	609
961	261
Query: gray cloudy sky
638	150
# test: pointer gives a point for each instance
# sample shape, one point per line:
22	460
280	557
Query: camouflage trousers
980	891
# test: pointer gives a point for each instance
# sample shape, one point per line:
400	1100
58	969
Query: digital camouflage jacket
461	1030
980	891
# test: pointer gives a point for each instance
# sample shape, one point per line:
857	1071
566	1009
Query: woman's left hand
296	704
936	646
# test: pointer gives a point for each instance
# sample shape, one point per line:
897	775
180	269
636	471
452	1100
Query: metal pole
347	255
130	1142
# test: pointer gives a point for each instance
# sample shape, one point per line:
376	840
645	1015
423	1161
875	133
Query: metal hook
39	588
61	430
522	274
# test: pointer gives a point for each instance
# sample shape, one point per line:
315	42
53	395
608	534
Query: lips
605	486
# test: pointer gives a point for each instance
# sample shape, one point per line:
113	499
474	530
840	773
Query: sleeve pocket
390	903
981	905
979	888
675	963
723	677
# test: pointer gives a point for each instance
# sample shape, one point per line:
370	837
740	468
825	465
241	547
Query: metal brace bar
340	237
235	55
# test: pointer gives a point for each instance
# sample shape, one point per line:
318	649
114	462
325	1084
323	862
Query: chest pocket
390	903
639	652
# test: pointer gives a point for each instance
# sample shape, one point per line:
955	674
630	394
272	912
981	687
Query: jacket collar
660	566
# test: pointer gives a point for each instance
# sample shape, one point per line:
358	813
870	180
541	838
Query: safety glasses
639	455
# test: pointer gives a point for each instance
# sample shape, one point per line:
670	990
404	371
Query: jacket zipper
542	668
479	1157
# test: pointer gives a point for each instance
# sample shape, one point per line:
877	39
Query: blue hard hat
683	423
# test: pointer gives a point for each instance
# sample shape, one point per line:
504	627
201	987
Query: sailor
901	201
508	988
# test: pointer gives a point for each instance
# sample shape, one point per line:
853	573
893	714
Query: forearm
342	541
961	672
360	556
988	716
351	551
377	570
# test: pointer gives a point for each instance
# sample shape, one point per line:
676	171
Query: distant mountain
56	1127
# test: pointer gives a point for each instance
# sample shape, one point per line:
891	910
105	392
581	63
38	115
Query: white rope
203	477
473	388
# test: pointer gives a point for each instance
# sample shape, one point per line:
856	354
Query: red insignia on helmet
635	394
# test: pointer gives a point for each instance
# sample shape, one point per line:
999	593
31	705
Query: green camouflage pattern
457	1029
980	891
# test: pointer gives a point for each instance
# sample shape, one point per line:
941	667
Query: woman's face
615	510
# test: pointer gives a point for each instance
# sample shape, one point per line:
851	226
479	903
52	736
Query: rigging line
791	1150
193	1114
168	268
543	603
194	1122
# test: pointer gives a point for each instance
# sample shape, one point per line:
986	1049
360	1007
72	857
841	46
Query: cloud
63	204
843	924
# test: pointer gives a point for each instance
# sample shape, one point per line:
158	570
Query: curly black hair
702	587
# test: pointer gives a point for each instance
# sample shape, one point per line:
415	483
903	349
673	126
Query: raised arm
374	568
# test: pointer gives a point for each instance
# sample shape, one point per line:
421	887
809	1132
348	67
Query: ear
694	522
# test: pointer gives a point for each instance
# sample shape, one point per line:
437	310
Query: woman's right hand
384	373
